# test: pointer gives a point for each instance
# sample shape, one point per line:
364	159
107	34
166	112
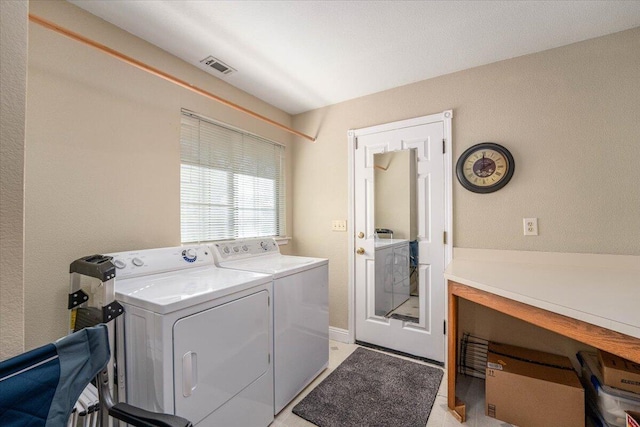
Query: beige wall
102	161
568	115
13	82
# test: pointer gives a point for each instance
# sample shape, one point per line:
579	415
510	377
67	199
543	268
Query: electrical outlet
530	226
339	225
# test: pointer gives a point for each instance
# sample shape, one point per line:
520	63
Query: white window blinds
231	183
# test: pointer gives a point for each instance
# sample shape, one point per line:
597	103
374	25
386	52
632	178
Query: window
231	183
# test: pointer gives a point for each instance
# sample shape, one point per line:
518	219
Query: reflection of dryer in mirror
198	338
392	275
300	310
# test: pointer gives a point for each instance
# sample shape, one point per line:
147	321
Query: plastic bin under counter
612	403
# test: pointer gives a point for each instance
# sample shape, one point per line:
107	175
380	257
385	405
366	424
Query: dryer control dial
189	255
137	262
119	263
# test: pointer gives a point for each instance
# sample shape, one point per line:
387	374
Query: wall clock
485	167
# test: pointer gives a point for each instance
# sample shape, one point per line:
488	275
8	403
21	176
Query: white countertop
603	290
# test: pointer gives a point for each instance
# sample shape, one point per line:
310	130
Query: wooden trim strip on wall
158	73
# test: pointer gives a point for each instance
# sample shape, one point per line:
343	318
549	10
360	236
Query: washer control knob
264	245
236	249
137	262
226	249
245	248
119	263
190	254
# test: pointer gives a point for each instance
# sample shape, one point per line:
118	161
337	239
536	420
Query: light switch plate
339	225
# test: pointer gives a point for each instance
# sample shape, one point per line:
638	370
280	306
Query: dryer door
218	353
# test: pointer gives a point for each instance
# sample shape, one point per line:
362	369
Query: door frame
444	117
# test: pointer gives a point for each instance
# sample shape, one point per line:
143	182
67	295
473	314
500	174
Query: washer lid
167	292
279	265
383	243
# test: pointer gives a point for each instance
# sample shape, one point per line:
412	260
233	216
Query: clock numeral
498	173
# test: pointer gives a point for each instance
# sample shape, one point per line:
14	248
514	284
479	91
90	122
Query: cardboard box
532	388
618	372
633	419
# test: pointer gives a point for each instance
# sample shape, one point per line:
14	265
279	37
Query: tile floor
410	307
470	390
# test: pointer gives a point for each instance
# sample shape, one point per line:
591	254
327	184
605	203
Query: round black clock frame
478	148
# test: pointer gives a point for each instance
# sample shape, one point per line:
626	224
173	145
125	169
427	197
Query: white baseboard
340	335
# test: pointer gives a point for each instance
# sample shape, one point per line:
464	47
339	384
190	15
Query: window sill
281	241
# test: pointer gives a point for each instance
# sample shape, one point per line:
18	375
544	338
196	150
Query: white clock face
485	167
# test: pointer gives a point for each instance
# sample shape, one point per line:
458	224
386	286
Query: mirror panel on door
395	236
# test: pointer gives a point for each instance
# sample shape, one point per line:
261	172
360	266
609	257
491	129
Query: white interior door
424	336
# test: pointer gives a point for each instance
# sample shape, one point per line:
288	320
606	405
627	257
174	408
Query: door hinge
269	301
444	237
444	329
444	145
269	358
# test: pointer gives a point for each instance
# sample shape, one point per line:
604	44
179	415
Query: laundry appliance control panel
153	261
246	248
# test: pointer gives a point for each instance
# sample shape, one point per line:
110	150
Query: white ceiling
302	55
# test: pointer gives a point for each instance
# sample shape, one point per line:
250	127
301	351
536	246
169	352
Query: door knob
360	251
361	235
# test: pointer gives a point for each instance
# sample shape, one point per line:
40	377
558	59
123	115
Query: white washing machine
198	338
300	310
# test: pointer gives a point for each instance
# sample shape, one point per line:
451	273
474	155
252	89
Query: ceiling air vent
217	65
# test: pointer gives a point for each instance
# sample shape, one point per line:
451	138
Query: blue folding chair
41	387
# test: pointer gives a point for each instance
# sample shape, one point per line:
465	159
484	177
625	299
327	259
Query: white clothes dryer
300	310
198	338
